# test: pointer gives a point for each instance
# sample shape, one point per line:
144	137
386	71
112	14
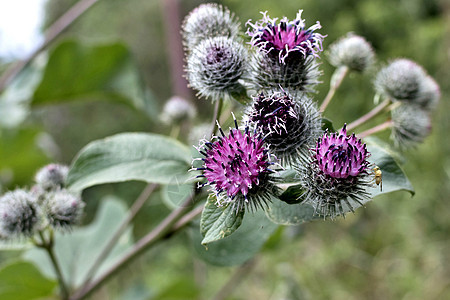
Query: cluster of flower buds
48	204
281	122
416	94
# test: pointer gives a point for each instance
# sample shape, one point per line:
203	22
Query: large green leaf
393	177
76	251
218	222
239	247
129	156
99	72
22	281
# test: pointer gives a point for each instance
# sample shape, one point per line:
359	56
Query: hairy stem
235	280
135	208
378	128
47	245
217	111
161	231
51	34
373	113
340	72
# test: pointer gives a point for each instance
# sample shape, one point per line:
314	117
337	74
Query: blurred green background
396	248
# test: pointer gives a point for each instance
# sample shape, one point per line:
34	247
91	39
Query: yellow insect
378	177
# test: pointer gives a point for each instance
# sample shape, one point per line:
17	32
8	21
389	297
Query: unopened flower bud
19	214
215	66
177	109
411	125
63	209
401	80
430	94
352	51
52	176
208	21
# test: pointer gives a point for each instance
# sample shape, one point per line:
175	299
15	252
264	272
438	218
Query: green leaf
239	247
393	177
129	156
282	213
22	281
218	222
292	194
101	72
327	124
20	156
14	100
76	251
173	195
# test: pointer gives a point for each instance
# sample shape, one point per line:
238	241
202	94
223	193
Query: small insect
378	177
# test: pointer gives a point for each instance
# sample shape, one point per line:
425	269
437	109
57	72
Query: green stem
337	79
217	111
371	114
163	230
135	208
48	246
378	128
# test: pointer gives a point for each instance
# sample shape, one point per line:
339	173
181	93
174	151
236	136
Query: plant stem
340	73
48	246
216	115
374	112
51	34
158	233
137	205
381	127
235	280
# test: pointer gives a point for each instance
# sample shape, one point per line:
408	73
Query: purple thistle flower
337	174
237	167
290	124
341	156
287	38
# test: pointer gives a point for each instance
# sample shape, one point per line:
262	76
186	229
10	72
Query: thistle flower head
336	177
411	125
285	39
237	168
19	214
352	51
401	80
177	109
52	176
215	66
63	209
289	124
207	21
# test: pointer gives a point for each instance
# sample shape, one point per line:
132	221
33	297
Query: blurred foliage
396	248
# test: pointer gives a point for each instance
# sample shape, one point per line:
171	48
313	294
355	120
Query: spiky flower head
63	209
19	214
207	21
177	109
290	124
285	40
352	51
337	174
401	80
52	176
411	125
215	66
285	55
237	168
